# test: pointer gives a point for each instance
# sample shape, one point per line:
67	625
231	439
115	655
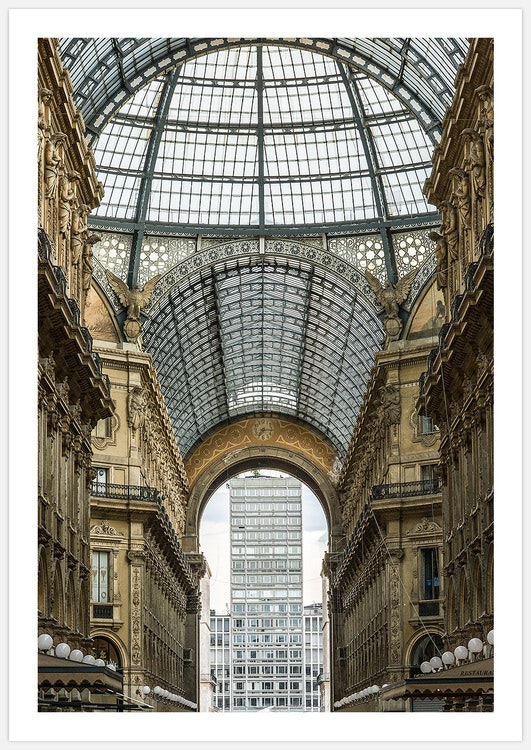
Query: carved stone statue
67	197
391	297
389	397
441	254
486	129
79	230
134	300
449	228
45	96
462	194
136	408
87	260
335	471
52	161
486	118
476	161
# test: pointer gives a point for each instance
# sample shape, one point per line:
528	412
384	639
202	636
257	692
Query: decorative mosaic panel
159	254
113	252
364	252
411	250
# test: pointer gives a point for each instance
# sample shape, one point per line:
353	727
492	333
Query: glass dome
261	178
265	137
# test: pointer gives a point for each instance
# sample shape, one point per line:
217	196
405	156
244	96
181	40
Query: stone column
134	676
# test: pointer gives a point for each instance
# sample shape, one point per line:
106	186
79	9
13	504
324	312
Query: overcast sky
214	540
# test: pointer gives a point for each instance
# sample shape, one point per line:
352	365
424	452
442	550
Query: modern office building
266	653
266	592
221	660
313	655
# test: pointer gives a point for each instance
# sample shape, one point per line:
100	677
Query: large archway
263	442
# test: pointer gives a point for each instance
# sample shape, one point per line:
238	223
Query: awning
474	678
104	685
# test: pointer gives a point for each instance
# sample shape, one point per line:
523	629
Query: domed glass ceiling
326	142
262	137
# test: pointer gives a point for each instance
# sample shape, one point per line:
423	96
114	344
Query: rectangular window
426	425
100	576
101	479
429	475
103	428
429	581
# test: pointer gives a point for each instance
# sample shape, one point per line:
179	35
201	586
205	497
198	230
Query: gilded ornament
263	429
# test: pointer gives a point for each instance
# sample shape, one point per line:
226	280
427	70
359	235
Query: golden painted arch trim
264	432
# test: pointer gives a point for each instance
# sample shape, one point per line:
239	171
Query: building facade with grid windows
266	626
266	593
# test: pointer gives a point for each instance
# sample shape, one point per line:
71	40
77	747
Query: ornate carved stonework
134	300
425	527
389	402
136	407
390	297
274	431
105	529
136	579
335	471
395	620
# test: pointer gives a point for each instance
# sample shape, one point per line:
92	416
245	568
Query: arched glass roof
263	334
326	142
260	138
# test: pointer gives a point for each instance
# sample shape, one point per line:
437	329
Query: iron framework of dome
261	178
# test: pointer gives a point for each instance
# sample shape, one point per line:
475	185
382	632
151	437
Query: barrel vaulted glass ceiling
326	142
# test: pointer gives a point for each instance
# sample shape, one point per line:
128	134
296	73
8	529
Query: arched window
104	648
429	645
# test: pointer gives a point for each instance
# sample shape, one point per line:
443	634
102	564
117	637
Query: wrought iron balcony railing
405	489
124	492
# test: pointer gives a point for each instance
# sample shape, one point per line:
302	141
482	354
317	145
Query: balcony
405	489
124	492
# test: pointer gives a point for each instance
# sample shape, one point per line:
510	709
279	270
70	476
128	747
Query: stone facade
457	388
150	612
391	504
73	393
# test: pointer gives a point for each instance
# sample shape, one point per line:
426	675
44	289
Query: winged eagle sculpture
391	297
134	300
